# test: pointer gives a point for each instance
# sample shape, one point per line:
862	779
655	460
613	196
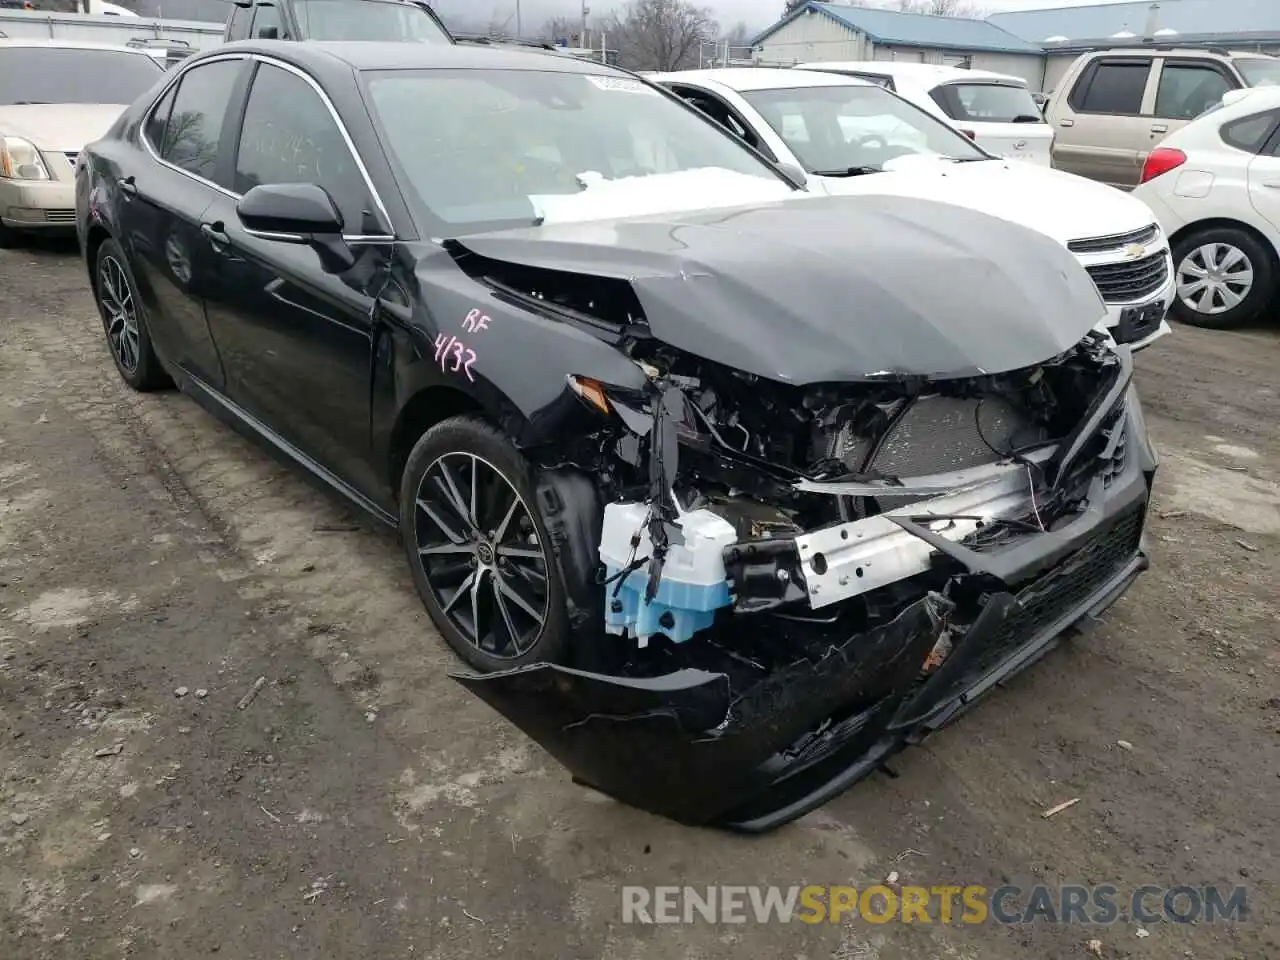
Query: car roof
920	72
72	45
760	78
323	56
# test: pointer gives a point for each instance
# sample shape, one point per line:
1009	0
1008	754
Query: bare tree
557	28
941	8
659	34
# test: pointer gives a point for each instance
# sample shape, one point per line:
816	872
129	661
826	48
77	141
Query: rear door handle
1159	128
216	235
1066	123
128	189
1273	184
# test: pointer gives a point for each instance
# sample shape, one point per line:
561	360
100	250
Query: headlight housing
20	160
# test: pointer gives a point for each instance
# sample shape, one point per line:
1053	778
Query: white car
995	110
56	96
853	137
1215	185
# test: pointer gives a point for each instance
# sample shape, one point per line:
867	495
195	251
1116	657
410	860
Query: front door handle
216	235
128	189
1159	128
1273	184
1066	123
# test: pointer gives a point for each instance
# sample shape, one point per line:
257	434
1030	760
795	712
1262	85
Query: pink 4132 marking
451	348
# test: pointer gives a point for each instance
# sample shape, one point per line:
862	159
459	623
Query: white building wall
811	37
1028	66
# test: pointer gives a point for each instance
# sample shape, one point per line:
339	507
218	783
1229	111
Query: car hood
59	126
828	289
1059	205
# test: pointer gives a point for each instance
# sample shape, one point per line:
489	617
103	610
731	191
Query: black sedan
724	491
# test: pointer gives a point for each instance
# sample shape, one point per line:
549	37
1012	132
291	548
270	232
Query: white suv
995	110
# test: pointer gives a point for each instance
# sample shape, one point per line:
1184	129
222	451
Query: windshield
70	75
987	103
480	150
855	128
1259	71
366	20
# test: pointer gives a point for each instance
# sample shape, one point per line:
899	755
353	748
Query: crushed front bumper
689	746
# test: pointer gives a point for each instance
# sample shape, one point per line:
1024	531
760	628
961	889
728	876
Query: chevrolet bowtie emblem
1134	250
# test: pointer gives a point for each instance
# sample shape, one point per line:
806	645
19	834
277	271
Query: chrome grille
60	216
1130	281
1116	241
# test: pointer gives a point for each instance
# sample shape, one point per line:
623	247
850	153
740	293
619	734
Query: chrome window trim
324	98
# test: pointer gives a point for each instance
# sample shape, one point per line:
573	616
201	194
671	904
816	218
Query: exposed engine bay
775	585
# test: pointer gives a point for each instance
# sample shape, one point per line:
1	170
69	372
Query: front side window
70	75
1187	90
843	130
1115	87
195	122
987	103
366	20
477	149
289	136
1259	71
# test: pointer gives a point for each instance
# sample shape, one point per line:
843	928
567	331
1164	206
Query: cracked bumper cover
689	747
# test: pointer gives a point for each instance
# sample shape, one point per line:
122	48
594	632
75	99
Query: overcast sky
756	13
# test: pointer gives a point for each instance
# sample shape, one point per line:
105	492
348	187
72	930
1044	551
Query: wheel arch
93	241
422	411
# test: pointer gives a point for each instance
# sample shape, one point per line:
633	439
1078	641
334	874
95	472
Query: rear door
1100	128
1184	90
162	205
1000	117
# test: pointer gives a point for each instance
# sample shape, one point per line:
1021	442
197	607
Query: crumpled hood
1059	205
823	289
59	126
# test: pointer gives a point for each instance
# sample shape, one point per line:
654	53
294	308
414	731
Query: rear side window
987	103
195	123
1251	133
1188	89
1112	86
154	129
289	136
238	24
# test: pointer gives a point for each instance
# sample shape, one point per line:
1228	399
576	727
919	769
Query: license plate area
1137	323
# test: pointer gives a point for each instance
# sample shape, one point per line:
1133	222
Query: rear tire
124	322
480	554
1225	278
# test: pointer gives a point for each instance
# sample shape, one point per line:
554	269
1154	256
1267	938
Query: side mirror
298	213
795	176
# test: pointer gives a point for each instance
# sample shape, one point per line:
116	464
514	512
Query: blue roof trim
912	29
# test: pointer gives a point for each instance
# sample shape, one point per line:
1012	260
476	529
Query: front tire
122	320
479	551
1225	278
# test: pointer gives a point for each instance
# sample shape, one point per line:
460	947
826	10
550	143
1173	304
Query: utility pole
519	27
583	40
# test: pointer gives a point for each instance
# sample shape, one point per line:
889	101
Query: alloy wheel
1214	278
481	554
119	313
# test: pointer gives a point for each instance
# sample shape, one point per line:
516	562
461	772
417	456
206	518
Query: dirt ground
364	806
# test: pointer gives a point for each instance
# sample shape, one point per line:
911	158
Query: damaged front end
774	587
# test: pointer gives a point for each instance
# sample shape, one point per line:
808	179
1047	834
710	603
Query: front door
297	342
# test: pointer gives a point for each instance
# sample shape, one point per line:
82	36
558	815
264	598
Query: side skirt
230	412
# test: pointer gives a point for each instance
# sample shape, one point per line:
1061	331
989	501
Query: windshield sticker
619	83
